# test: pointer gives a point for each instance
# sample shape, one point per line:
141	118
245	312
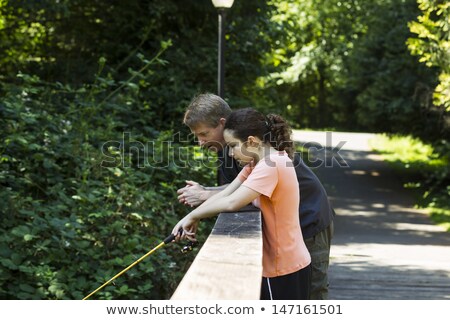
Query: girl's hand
189	227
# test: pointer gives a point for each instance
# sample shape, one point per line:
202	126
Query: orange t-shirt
284	250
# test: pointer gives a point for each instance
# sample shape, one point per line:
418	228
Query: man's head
206	116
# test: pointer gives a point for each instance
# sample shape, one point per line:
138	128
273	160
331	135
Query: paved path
383	248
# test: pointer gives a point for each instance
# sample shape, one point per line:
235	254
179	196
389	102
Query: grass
422	169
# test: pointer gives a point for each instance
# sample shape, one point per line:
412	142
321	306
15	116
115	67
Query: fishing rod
169	239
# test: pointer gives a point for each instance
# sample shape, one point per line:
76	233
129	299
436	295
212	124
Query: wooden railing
229	264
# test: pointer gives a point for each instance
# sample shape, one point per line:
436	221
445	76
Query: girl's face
237	149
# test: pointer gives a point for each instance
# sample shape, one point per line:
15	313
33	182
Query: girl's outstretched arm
229	189
231	202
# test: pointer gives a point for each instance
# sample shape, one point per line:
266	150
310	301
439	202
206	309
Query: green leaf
8	264
20	231
28	237
124	289
136	216
26	288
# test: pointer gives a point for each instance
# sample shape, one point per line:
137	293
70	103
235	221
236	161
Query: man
206	116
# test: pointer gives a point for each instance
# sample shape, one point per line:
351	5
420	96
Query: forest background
92	97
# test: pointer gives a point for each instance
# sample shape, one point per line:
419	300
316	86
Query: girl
268	180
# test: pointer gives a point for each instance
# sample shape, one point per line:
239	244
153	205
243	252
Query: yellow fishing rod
166	241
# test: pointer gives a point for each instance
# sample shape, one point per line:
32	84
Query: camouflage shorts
319	249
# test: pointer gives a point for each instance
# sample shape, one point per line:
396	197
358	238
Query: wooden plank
229	264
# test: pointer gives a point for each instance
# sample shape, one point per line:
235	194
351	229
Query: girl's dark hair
271	128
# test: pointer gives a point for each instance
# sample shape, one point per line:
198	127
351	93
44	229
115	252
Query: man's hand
193	194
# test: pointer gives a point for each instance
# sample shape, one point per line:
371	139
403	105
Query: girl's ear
253	141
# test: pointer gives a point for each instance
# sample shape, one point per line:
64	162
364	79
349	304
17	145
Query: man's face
209	137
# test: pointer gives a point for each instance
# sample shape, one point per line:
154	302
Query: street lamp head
222	3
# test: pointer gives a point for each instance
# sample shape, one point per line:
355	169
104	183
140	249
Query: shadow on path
383	248
360	279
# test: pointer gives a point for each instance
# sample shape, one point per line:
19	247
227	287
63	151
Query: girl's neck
264	151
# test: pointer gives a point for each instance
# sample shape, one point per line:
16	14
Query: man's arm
193	194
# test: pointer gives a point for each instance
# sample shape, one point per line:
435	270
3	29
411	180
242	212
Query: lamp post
221	6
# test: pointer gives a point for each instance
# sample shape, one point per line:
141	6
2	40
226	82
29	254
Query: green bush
78	205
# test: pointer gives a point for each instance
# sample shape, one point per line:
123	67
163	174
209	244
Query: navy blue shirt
315	210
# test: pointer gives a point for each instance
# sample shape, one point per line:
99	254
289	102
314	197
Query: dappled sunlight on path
349	140
383	248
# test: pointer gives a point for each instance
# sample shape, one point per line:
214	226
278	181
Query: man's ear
222	122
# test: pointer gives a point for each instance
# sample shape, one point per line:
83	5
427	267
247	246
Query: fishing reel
189	247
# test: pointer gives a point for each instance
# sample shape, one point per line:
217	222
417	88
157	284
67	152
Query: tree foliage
432	44
337	62
80	204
